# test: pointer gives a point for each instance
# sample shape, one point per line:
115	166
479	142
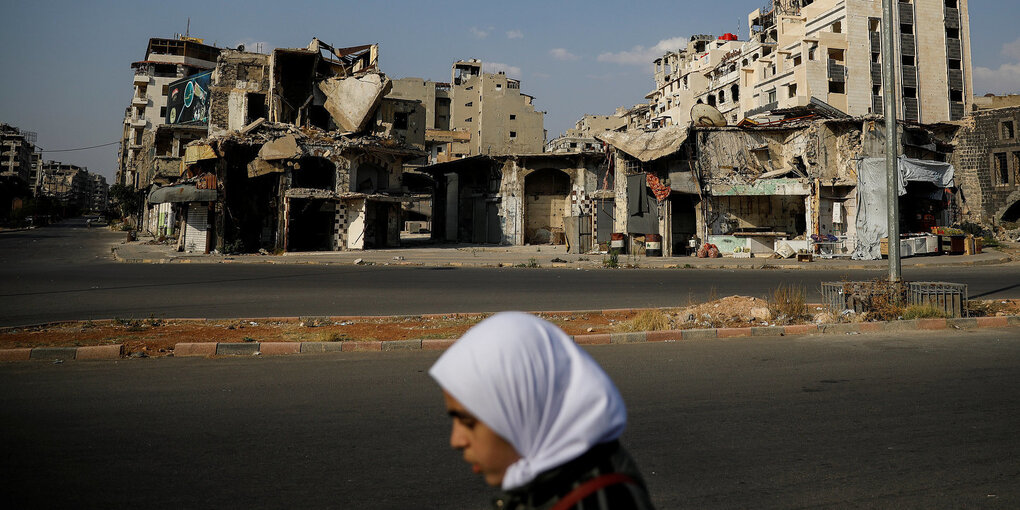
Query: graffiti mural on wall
188	100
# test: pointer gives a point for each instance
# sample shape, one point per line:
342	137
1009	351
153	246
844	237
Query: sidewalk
545	256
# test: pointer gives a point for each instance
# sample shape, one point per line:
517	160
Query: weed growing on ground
923	312
880	299
248	339
331	336
787	304
612	261
648	320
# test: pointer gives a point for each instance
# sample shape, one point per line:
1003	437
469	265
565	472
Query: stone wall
981	142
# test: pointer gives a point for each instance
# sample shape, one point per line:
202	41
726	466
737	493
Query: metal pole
891	139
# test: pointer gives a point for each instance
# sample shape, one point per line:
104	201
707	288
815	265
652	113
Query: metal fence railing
950	298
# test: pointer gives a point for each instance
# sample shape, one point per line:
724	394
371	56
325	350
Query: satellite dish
704	115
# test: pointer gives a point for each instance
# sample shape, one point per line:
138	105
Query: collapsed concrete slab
281	148
351	101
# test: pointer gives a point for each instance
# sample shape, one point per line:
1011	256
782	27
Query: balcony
910	76
141	79
139	101
954	50
837	71
906	13
443	136
907	45
956	110
910	109
876	42
952	17
955	79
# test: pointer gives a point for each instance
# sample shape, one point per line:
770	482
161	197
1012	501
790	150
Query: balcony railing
955	79
956	110
910	109
910	76
954	49
952	17
139	101
876	42
906	13
837	71
141	79
907	45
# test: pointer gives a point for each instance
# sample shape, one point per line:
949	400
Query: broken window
1001	169
256	107
837	87
952	33
956	95
722	96
909	92
908	60
792	90
400	120
513	117
955	64
1008	130
735	92
711	100
906	28
811	51
513	134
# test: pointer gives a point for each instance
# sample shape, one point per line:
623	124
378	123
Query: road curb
232	349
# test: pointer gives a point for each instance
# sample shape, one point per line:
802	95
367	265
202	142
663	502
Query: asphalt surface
66	272
862	421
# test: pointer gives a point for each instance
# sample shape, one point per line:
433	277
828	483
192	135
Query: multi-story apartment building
828	51
831	50
706	71
166	60
16	149
475	113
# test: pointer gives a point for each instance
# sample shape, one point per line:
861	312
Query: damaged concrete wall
238	91
350	101
402	120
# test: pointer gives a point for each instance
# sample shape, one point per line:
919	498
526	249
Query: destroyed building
799	51
303	154
581	138
987	157
475	113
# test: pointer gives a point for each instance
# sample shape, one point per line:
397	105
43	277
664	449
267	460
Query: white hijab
531	384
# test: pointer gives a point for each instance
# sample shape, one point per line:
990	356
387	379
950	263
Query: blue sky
66	65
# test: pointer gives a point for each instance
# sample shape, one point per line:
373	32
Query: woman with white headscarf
536	415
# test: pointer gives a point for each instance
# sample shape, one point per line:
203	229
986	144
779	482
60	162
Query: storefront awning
181	193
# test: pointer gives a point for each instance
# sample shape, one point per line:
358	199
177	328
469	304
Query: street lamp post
891	139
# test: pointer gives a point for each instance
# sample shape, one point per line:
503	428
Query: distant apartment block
581	138
827	51
475	113
16	150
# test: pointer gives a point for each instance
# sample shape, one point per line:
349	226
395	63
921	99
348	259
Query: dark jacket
548	487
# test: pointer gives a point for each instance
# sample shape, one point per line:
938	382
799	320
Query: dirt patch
157	337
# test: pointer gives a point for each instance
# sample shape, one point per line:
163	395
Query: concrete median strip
210	349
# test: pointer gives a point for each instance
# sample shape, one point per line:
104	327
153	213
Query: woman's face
487	452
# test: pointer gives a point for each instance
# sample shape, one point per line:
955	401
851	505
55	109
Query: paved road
911	421
66	272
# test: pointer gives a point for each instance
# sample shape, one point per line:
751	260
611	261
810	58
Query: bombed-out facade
303	154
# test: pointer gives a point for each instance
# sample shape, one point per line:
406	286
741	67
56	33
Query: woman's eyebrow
460	415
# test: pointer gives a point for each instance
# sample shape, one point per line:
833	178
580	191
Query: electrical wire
82	148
